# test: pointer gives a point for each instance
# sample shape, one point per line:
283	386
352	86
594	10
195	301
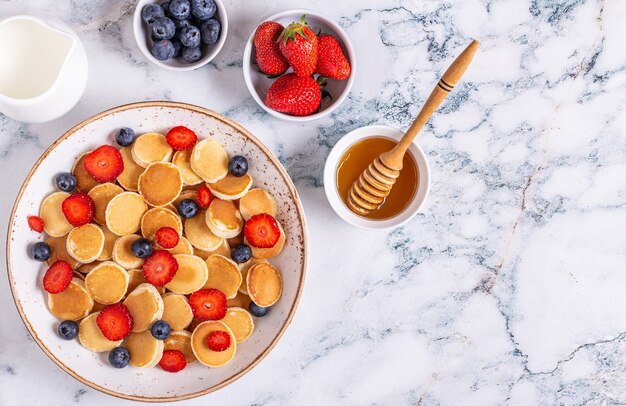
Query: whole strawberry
331	61
295	95
298	44
268	56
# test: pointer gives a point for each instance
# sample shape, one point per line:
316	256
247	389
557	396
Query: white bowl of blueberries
180	34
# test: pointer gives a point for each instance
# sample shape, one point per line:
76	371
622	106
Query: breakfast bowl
334	161
25	274
258	83
142	33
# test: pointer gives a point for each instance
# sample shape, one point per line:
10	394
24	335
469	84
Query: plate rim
270	156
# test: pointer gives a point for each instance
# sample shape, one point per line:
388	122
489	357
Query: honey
358	157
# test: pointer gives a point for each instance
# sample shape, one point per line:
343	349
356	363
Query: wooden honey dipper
369	191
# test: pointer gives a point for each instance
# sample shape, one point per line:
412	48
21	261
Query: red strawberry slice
35	223
173	361
218	341
115	322
208	304
262	231
204	196
104	164
160	268
78	209
181	138
58	277
167	237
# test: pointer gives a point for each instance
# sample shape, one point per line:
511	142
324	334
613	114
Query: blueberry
163	28
125	136
68	329
191	55
141	248
241	253
65	181
190	36
187	208
210	31
238	165
180	24
163	50
160	330
178	47
203	9
180	9
166	7
258	311
40	251
119	357
151	12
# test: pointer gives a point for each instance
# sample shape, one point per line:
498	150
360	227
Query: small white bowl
143	39
258	83
330	179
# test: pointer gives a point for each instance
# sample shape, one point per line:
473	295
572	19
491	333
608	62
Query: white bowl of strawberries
299	65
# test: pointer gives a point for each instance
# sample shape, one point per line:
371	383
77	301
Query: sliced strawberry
104	164
58	277
262	231
172	361
218	341
181	138
35	223
78	209
115	322
204	196
208	304
167	237
160	268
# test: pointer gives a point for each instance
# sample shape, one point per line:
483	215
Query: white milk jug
43	68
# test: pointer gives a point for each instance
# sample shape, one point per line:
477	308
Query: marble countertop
507	289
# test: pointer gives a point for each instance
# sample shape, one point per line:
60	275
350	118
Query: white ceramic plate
25	274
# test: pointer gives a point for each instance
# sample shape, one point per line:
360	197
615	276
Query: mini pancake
177	311
97	306
240	300
265	285
130	175
240	323
58	248
86	268
264	253
199	234
231	187
78	275
84	181
73	303
209	160
107	283
223	218
136	278
181	160
54	221
109	243
145	305
192	326
181	341
123	255
201	350
257	201
192	274
145	350
150	147
244	272
185	194
85	243
91	337
160	184
183	247
124	213
101	196
236	240
222	249
224	275
158	217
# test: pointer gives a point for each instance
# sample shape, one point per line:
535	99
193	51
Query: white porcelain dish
142	37
25	275
258	84
330	179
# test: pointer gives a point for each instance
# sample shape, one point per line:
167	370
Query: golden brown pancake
201	349
91	337
183	247
145	305
177	312
150	147
240	300
181	341
192	274
58	248
160	184
73	303
224	275
244	272
240	323
109	242
122	253
107	283
124	213
231	187
145	350
84	181
223	218
101	196
257	201
130	175
264	253
265	285
209	160
158	217
181	160
85	243
199	234
222	249
54	221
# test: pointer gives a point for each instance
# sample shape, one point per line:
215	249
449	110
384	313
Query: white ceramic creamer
43	68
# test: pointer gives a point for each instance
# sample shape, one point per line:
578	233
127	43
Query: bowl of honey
353	154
